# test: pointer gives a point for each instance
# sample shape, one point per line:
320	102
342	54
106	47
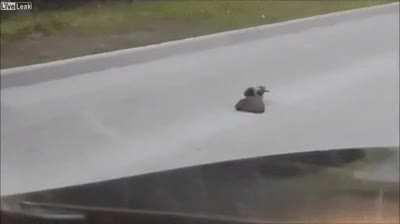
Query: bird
253	101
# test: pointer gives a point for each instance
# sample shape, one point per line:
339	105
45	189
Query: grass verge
41	35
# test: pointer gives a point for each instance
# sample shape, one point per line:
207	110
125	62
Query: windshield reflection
348	185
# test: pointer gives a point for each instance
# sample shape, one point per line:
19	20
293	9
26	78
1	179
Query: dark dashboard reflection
335	186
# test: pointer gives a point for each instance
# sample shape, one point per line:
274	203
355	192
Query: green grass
157	21
128	17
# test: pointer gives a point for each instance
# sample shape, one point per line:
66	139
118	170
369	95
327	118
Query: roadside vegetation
98	26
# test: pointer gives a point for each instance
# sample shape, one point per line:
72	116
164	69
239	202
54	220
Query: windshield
336	186
189	111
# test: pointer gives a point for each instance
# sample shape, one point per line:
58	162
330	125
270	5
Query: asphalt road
332	86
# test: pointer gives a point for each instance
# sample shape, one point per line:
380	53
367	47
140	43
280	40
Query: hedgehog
253	101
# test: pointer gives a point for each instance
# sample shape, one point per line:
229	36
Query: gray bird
253	101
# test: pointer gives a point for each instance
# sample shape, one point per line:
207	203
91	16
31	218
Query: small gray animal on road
253	101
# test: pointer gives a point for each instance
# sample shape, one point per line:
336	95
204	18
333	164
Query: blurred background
57	29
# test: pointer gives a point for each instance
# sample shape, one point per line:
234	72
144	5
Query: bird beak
266	91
